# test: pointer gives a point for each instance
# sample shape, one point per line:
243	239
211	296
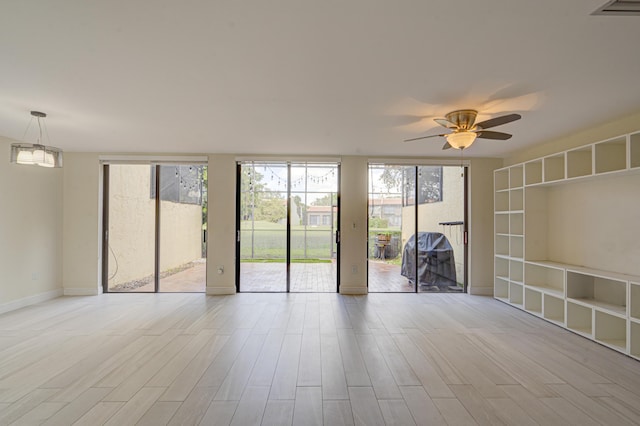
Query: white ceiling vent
620	7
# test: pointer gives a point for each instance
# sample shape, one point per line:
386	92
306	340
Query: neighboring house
321	215
387	208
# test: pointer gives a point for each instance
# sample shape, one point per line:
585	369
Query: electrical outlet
220	270
354	269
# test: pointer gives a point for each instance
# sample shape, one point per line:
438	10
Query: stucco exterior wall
132	227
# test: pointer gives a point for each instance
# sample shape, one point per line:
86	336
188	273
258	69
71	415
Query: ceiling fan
466	130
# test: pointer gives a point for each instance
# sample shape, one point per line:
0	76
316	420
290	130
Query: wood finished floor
304	359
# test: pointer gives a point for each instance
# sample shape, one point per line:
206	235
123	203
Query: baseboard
353	290
30	300
481	291
218	291
80	291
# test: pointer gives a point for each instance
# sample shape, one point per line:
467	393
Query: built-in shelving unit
600	305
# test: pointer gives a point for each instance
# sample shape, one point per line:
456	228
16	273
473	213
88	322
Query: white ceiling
306	77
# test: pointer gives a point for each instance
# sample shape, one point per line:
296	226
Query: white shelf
634	150
516	246
515	294
611	330
579	318
516	200
580	162
502	223
596	291
611	155
501	201
634	300
516	270
533	301
634	344
553	308
501	288
516	177
502	245
516	223
533	172
548	279
501	179
600	305
554	168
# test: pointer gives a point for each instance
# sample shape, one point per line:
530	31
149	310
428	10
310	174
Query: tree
327	200
404	178
272	209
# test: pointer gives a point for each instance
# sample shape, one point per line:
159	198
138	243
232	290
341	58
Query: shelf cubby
533	172
544	278
634	150
516	197
634	344
634	302
579	318
533	301
501	268
501	288
597	291
501	201
554	168
516	223
516	271
501	179
611	155
502	245
516	177
516	246
553	309
502	223
580	162
610	330
515	294
536	226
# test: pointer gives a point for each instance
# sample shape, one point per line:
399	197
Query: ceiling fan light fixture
461	140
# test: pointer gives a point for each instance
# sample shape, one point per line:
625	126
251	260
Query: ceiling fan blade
445	123
498	121
422	137
446	146
488	134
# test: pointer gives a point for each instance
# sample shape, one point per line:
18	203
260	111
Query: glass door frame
288	163
465	230
157	202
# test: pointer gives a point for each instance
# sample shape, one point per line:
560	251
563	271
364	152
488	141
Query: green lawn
269	241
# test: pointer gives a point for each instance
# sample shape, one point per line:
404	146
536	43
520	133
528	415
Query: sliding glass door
154	220
287	227
417	228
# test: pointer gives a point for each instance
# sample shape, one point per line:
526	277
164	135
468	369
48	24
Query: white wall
481	225
30	232
82	224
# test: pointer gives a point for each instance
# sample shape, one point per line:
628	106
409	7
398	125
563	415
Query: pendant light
36	154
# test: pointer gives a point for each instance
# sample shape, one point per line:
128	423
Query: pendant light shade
461	140
36	154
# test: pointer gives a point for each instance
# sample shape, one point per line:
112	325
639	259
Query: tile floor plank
308	406
278	413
